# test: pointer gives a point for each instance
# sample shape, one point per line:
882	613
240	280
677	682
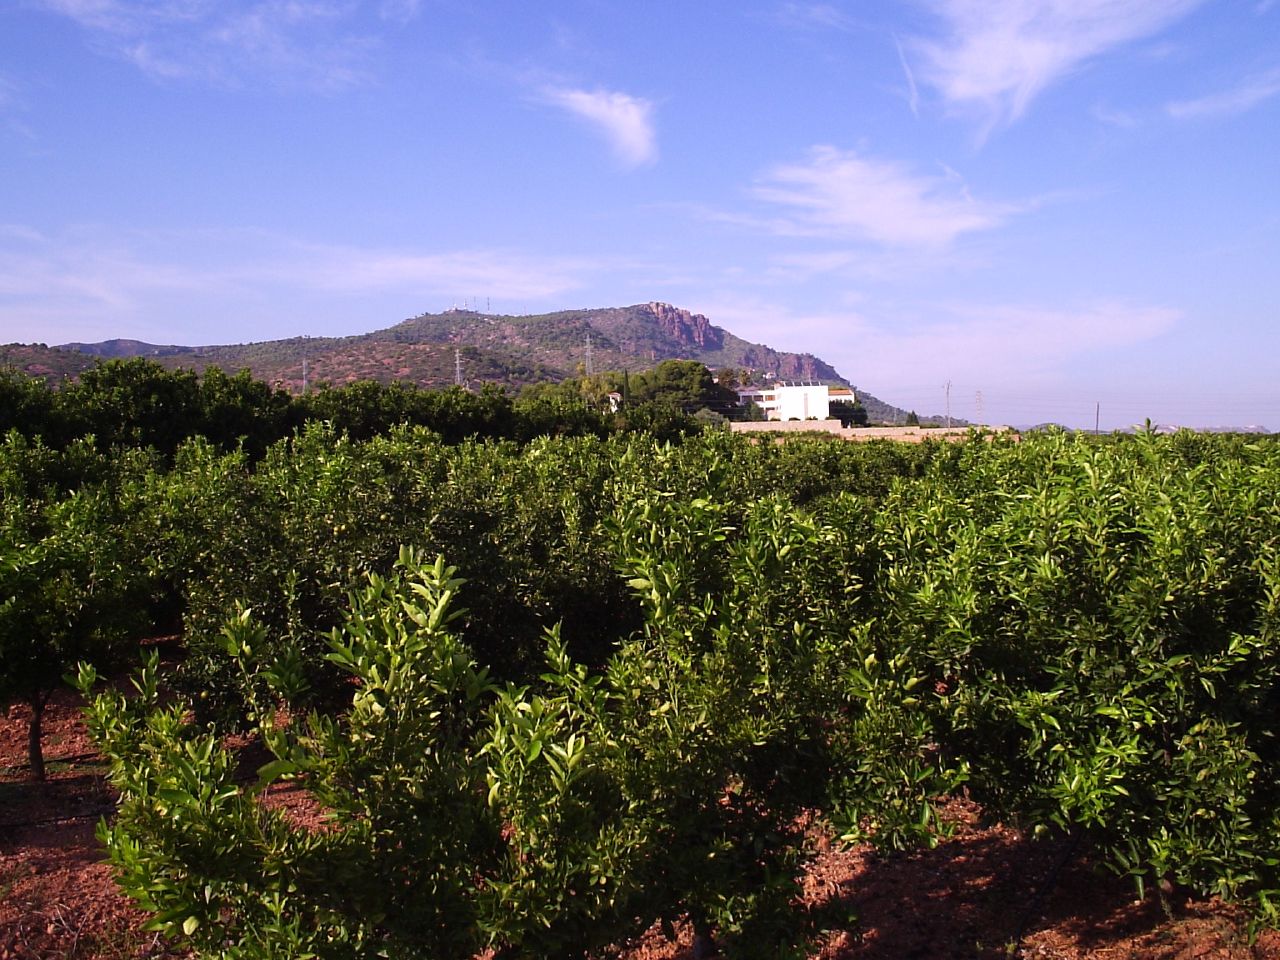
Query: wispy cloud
913	92
990	346
8	93
1114	118
626	122
1241	99
82	281
780	324
1025	358
988	337
323	44
994	59
841	194
824	16
351	270
103	283
399	11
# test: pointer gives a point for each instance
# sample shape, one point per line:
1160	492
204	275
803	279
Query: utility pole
304	366
1097	416
588	365
948	389
978	401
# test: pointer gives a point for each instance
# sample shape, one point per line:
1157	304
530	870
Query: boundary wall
833	427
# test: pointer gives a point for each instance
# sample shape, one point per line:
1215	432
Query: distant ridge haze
497	348
511	350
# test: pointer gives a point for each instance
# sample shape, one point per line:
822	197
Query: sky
1023	210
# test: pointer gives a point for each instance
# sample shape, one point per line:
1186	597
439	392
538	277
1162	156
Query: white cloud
1245	97
10	99
997	57
355	271
1023	351
231	284
625	121
399	11
780	325
1024	359
13	107
311	43
842	195
125	16
807	15
1002	346
913	92
1114	118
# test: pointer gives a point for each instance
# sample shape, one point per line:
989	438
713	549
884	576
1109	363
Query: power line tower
457	367
978	402
947	387
588	363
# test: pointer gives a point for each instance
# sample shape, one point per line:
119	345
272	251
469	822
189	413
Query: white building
790	400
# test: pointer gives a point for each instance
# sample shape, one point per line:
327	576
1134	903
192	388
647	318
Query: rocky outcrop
691	329
788	366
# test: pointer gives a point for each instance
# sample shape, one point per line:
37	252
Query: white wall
785	401
803	401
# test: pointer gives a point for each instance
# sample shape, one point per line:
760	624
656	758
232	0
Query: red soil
969	897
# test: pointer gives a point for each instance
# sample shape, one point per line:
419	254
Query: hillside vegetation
508	351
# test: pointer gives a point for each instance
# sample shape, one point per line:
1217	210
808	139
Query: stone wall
905	434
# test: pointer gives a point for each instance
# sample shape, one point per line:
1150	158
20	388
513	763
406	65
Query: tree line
138	403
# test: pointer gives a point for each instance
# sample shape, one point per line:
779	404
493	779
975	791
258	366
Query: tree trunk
703	943
35	751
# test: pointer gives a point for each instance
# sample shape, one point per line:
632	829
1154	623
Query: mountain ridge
648	333
510	350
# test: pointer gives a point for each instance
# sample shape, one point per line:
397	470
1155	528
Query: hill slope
633	337
507	350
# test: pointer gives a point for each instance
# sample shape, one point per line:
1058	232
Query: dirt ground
970	897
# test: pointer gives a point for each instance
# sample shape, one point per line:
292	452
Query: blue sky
1050	204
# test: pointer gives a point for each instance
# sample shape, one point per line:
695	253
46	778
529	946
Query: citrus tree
72	585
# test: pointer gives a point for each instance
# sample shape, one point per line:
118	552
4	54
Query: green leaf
274	770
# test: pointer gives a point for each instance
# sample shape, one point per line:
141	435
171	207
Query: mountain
633	337
489	348
37	360
117	349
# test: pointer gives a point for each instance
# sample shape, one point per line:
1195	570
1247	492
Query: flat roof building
791	400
